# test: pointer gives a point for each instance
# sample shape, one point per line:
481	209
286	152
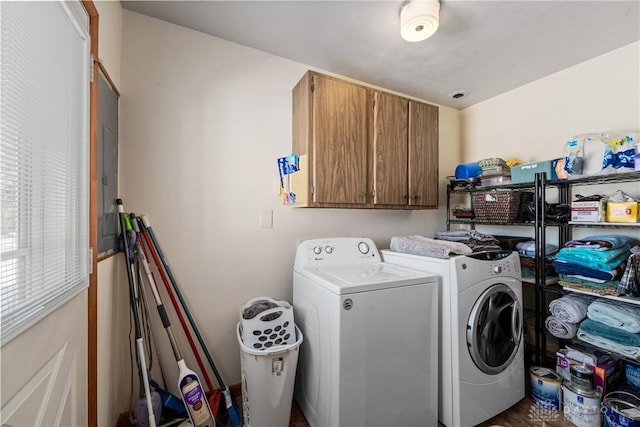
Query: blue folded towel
609	333
605	260
615	314
602	242
563	267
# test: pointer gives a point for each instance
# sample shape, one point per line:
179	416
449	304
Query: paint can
581	408
582	378
545	387
621	409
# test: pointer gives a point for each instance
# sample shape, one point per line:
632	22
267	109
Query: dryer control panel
336	251
487	265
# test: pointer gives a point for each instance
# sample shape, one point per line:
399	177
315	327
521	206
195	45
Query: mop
152	242
214	399
188	382
136	319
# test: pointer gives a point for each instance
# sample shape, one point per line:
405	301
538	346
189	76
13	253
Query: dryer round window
493	329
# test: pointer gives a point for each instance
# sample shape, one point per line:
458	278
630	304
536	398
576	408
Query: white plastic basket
269	328
268	378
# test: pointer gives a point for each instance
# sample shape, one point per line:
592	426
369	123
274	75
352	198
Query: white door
45	222
44	370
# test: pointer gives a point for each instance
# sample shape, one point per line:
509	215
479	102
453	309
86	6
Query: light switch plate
265	218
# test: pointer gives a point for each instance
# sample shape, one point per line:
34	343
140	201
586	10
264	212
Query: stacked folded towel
472	238
594	263
566	314
420	245
528	261
613	326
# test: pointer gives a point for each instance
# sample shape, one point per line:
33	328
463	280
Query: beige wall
203	121
113	356
534	121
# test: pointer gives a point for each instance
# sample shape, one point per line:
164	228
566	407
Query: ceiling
482	47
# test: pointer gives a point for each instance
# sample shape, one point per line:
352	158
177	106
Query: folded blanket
610	339
615	314
420	245
600	260
601	242
477	241
571	308
561	329
528	249
465	236
587	282
563	267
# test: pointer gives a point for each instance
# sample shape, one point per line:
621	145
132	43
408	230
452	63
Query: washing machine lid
349	279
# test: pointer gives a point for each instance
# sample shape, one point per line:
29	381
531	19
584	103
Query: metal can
581	408
621	409
582	378
545	387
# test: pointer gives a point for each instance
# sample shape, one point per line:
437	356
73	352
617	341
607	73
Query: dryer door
494	328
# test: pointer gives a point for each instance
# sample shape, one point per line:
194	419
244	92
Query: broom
191	392
136	318
152	242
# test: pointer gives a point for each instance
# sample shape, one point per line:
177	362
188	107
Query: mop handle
150	250
151	240
134	308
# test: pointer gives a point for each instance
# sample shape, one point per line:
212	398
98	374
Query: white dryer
369	355
481	362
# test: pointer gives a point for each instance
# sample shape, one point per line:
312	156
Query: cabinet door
423	154
339	141
390	154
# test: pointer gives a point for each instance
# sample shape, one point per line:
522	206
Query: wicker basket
496	206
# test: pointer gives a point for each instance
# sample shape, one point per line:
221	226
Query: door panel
423	154
390	149
44	379
339	141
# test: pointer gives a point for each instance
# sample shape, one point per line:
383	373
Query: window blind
44	159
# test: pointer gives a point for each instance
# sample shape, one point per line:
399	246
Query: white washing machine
369	355
481	362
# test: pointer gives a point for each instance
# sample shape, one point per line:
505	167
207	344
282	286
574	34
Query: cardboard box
607	372
593	211
527	171
622	212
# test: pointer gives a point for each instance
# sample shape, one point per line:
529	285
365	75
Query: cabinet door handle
406	197
416	197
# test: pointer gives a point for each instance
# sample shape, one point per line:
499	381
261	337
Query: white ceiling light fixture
419	19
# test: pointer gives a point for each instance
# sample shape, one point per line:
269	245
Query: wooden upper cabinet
390	151
405	152
339	141
330	127
362	148
423	155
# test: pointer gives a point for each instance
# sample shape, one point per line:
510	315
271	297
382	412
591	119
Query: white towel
615	314
561	329
420	245
571	308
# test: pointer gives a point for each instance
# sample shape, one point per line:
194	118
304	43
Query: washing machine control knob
317	250
497	269
328	249
363	248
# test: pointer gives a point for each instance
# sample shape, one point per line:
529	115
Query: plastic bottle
194	398
636	158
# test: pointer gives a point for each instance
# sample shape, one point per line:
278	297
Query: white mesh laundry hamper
267	382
